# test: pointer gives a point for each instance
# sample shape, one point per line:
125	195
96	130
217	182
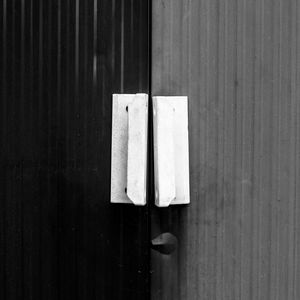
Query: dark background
60	238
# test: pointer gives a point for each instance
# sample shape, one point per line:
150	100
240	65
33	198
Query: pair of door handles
129	149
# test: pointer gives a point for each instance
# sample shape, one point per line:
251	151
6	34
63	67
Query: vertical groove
3	223
297	144
278	163
40	95
58	152
122	47
22	121
95	9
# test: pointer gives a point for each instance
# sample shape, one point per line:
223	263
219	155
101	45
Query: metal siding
60	238
239	64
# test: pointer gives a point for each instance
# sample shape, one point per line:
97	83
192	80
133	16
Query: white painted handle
137	150
171	150
165	188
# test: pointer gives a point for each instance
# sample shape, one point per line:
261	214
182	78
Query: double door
237	61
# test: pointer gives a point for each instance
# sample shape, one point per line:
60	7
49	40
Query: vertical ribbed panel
239	64
60	238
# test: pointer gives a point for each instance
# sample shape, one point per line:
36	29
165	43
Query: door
238	62
60	238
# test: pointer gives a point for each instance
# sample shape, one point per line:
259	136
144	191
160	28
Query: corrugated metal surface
239	63
59	236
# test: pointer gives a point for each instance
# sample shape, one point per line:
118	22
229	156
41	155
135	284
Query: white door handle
129	148
171	150
164	162
137	149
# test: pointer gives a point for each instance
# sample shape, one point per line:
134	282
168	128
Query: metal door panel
238	62
60	238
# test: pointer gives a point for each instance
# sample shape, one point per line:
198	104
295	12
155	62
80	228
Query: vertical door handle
163	119
171	150
129	148
137	150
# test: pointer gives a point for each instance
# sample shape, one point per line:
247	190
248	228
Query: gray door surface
239	64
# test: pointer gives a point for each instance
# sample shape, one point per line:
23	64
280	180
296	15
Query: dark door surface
239	64
60	238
